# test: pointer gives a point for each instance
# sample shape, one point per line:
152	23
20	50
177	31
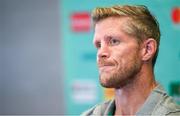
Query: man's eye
98	45
114	42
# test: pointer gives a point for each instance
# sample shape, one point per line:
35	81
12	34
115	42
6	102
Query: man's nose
103	52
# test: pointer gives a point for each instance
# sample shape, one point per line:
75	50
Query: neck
131	97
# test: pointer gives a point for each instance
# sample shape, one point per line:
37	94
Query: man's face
118	54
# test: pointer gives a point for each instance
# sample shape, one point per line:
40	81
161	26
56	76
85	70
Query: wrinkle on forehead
121	25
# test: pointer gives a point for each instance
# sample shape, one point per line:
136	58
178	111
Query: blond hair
142	24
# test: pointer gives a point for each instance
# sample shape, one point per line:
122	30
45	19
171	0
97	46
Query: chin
119	86
113	82
106	85
106	82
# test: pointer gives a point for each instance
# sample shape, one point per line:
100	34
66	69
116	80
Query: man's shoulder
159	103
167	105
98	109
170	106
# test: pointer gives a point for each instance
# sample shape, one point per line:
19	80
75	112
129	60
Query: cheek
123	57
97	59
119	54
118	58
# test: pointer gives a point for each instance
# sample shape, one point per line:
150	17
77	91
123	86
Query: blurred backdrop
48	62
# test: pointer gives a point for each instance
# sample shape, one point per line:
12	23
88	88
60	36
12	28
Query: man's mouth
106	67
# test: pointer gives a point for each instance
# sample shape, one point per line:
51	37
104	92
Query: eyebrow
106	38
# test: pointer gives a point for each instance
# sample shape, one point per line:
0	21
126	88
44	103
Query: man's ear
149	48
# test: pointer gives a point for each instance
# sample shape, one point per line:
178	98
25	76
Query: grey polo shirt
157	103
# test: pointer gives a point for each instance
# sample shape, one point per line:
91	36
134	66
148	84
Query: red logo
80	22
176	15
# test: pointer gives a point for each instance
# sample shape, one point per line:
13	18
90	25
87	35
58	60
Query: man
127	40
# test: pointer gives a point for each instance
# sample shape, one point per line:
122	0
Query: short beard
123	76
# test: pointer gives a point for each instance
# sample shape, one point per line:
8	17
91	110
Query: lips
105	67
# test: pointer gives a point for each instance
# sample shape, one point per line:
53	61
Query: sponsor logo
80	22
84	91
175	15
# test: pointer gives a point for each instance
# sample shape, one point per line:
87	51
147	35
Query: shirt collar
152	101
110	108
147	107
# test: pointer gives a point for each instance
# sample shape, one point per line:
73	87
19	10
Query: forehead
110	26
111	22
